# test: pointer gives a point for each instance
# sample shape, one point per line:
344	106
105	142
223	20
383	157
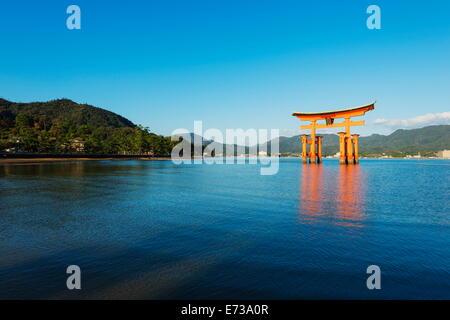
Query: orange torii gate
348	143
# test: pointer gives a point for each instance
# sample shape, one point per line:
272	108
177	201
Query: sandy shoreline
45	160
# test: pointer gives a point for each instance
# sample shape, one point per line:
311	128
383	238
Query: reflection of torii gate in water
348	142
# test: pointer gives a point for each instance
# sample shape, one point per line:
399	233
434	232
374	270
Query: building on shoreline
445	154
416	156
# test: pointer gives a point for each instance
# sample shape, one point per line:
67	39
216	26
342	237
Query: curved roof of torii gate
336	113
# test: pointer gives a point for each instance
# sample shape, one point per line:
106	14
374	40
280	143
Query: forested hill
63	126
61	110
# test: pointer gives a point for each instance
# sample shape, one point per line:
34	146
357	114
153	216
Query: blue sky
232	64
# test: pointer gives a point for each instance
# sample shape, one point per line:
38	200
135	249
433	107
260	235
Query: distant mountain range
424	140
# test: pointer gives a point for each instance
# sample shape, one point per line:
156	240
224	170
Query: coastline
37	160
7	161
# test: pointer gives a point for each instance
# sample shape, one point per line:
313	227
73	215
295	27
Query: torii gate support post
304	151
312	148
349	146
319	149
342	148
355	142
348	142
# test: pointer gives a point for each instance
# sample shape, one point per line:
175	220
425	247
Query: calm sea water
154	230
